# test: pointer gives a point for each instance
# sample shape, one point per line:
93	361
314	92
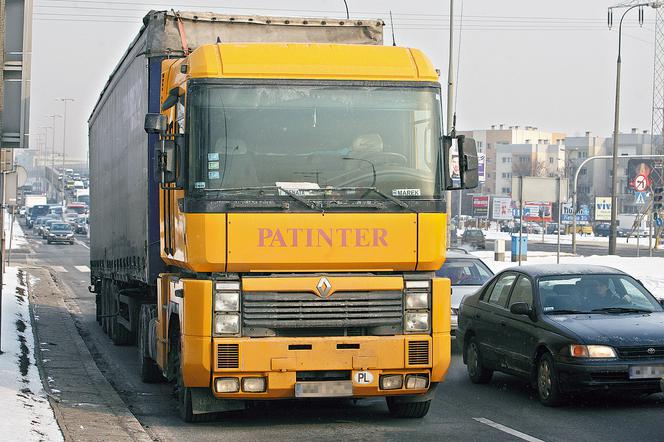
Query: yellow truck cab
300	220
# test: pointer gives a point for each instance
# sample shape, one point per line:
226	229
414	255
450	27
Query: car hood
625	329
461	291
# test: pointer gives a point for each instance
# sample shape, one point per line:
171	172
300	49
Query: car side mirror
155	123
461	162
521	308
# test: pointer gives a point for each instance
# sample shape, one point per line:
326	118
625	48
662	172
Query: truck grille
227	356
641	352
418	353
303	313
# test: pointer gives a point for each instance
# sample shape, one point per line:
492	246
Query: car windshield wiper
293	195
621	310
396	201
566	312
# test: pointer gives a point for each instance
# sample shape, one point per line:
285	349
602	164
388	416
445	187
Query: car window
501	290
523	291
466	271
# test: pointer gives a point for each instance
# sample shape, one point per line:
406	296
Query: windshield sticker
199	185
213	175
213	165
298	188
213	156
406	192
548	309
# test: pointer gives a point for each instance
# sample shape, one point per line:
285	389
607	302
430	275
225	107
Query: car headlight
227	324
417	322
417	301
51	235
227	301
591	351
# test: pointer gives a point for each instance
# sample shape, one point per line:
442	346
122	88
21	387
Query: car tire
71	243
548	386
407	410
48	242
477	372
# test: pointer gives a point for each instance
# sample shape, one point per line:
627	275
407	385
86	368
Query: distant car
565	328
468	274
46	226
39	224
473	238
603	229
60	232
552	228
81	225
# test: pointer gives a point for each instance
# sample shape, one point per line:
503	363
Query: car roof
540	270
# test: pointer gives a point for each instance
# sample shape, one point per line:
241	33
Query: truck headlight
417	300
227	301
227	385
591	351
417	322
227	324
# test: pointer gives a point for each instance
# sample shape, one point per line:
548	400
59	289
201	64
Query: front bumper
606	376
287	361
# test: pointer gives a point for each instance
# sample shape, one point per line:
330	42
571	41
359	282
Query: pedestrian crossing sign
639	197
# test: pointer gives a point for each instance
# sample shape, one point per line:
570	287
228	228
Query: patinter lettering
308	237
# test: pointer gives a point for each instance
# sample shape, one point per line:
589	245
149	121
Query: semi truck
268	211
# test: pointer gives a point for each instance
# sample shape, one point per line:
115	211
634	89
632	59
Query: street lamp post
64	143
616	127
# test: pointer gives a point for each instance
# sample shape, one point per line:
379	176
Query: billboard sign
481	161
501	208
536	211
481	206
582	216
603	208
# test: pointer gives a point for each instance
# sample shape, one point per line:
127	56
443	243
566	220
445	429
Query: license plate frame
323	389
646	371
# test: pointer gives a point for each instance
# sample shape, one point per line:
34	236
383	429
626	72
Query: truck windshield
302	138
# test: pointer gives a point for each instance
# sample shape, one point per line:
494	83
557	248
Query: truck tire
407	410
182	393
149	370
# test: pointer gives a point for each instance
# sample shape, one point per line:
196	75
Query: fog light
417	322
227	385
417	382
253	385
391	382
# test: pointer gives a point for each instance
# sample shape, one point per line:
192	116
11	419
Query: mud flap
202	402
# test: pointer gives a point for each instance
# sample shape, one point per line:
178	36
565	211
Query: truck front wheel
149	370
409	410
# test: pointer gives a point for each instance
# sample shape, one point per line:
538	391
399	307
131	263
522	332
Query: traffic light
658	199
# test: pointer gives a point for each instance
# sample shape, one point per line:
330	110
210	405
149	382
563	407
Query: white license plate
646	371
324	389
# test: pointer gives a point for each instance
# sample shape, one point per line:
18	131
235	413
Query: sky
520	62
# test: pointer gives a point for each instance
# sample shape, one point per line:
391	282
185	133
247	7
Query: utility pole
64	143
450	117
53	116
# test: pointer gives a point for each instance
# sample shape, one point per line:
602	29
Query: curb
85	405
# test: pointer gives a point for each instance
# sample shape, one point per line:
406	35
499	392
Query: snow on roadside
18	240
647	270
26	412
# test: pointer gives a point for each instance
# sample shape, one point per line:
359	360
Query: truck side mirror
155	123
461	162
171	161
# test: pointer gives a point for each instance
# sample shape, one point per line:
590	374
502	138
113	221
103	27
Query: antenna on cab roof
394	43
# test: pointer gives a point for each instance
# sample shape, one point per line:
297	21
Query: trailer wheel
149	370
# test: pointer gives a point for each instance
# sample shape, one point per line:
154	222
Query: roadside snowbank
26	412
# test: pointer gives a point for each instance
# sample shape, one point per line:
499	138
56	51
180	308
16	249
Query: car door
519	330
487	318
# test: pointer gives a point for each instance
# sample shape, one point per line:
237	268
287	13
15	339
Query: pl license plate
646	371
324	389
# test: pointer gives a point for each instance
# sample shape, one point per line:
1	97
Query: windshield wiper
621	310
293	195
566	312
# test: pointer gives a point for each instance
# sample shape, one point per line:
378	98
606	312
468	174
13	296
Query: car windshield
474	233
60	227
304	138
465	271
599	293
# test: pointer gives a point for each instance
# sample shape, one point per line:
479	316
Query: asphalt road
505	409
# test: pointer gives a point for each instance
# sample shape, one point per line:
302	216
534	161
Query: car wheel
548	388
477	372
48	242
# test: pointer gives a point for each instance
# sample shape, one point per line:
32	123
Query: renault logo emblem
323	287
651	351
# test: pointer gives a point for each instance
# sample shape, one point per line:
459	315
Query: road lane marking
59	269
507	430
82	243
84	269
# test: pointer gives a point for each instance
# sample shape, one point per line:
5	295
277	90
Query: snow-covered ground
566	239
650	271
26	412
14	236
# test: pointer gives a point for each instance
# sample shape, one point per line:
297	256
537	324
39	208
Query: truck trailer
267	216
